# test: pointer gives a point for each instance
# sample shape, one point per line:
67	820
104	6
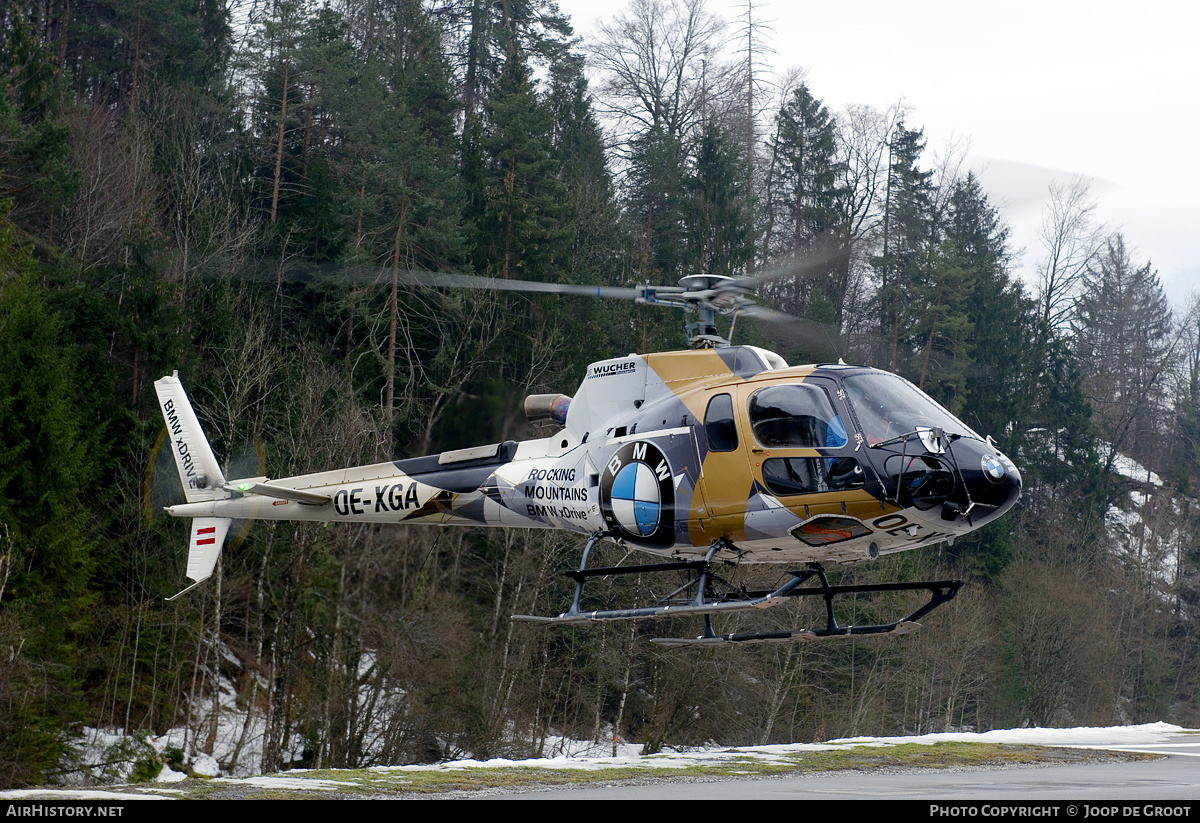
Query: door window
719	424
795	416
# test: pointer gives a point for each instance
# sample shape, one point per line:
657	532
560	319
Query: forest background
230	199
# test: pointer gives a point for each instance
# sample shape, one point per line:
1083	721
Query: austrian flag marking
201	540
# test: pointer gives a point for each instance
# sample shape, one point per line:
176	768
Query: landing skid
796	636
715	596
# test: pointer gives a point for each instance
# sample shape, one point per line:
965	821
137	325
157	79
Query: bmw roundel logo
637	495
993	468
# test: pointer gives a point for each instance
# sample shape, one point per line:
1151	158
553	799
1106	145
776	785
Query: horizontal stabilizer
280	492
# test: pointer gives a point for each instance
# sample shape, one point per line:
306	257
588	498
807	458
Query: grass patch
348	783
946	755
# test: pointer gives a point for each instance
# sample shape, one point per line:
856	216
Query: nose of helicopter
991	484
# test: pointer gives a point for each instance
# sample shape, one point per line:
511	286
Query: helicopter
717	454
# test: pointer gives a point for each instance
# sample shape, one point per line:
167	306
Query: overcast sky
1043	90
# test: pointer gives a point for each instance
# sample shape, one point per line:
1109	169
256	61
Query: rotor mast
705	295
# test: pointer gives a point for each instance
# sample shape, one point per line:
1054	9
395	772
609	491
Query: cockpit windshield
888	406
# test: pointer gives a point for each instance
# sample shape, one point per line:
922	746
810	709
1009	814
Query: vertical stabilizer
201	477
208	535
198	469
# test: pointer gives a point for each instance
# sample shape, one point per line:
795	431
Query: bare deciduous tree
864	134
1071	239
658	60
113	202
202	209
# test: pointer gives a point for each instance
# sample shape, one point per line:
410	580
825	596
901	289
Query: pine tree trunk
279	145
390	394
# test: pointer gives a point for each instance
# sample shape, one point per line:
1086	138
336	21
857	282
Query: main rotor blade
823	252
445	280
817	337
382	276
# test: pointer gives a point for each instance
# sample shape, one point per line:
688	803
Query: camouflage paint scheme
634	458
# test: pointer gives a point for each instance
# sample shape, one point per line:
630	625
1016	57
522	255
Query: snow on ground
1141	525
107	756
1083	737
75	794
1123	737
1128	467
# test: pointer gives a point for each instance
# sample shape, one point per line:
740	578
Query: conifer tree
578	152
116	51
806	173
35	175
598	240
408	210
1124	335
942	329
907	232
717	208
45	561
991	362
484	36
325	73
524	226
654	192
806	207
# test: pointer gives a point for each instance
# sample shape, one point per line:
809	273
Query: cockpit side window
803	475
796	416
719	425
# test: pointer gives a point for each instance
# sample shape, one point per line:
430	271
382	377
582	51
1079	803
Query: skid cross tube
941	591
698	605
582	575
